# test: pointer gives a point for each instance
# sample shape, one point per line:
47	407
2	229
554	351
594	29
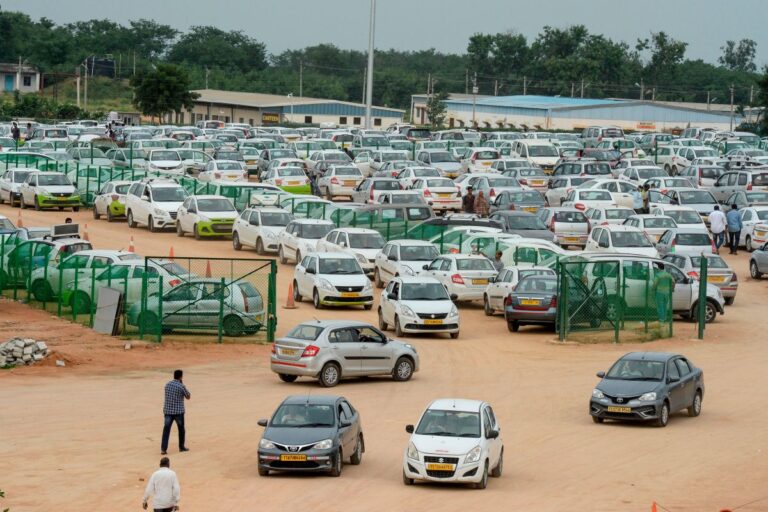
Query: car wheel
483	483
357	456
403	369
259	246
406	480
131	222
513	326
75	209
382	324
729	300
753	271
151	225
663	418
196	231
377	279
454	335
367	307
179	230
496	472
595	419
398	328
594	322
666	168
337	464
281	255
236	245
263	472
296	294
748	243
80	302
674	170
710	313
287	378
612	309
41	290
233	325
316	299
298	256
96	215
330	375
695	408
37	204
110	217
487	306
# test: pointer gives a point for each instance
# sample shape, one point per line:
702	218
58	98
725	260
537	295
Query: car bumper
566	240
416	325
52	202
336	299
117	209
529	316
340	190
447	204
217	228
316	460
638	411
307	367
463	473
164	222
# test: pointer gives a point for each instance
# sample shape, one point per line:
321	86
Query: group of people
721	223
475	204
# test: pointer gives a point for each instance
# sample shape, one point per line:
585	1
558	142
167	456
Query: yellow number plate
443	195
349	183
537	182
623	410
531	209
294	183
479	281
760	234
571	239
440	467
288	352
716	279
350	294
530	302
293	458
433	322
487	163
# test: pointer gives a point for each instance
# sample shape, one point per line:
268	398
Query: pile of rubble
21	351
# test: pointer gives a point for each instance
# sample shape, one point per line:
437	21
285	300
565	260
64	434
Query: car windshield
535	284
91	153
441	182
389	157
290	171
306	332
646	174
595	195
281	153
763	215
155	156
20	176
314	231
525	222
303	415
597	169
757	197
659	222
228	166
449	423
710	172
685	217
618	214
712	262
275	218
339	266
530	171
386	185
441	156
760	180
423	291
526	197
631	369
696	197
543	151
122	189
487	155
169	194
418	253
692	239
366	240
424	173
6	225
348	171
215	205
45	180
503	182
572	217
375	141
629	239
474	264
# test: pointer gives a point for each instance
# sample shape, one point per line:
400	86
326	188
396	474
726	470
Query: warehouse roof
259	100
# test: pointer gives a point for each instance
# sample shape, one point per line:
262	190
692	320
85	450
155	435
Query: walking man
717	224
734	228
481	205
468	202
15	133
173	409
163	487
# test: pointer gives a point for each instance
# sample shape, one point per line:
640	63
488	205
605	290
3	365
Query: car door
376	354
205	310
290	241
183	214
346	349
494	446
593	240
305	273
349	428
389	261
498	289
682	294
675	387
664	242
177	305
388	305
688	380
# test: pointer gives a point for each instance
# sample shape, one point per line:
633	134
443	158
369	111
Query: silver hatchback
330	350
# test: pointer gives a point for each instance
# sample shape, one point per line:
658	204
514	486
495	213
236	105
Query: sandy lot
86	436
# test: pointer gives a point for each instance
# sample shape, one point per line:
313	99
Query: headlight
326	285
454	311
270	234
406	311
361	259
367	285
325	444
596	393
160	213
648	397
413	453
407	270
473	455
266	444
203	218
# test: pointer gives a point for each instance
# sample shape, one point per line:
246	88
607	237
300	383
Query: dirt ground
86	436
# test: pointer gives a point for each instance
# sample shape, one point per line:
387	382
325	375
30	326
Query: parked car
684	216
110	201
518	200
226	170
702	175
719	273
300	237
569	225
686	241
647	386
533	177
206	216
652	225
418	305
496	293
260	228
608	216
523	223
455	441
332	279
442	160
439	193
154	203
402	257
363	244
753	180
758	262
465	276
701	201
744	199
560	187
10	184
369	190
755	231
620	240
479	159
49	190
339	180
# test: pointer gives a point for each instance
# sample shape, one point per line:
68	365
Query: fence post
702	305
562	302
221	309
272	299
60	298
143	308
92	305
160	311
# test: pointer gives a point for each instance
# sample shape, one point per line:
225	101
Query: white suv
154	203
363	244
260	228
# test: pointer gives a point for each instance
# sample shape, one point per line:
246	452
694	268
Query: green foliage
436	109
162	90
739	57
763	96
212	47
38	107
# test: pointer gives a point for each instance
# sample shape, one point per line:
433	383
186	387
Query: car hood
451	446
447	166
169	206
292	435
702	208
220	215
58	189
416	265
544	160
618	387
541	234
345	279
428	306
369	254
165	163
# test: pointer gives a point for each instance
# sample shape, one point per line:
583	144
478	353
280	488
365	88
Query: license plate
288	352
444	195
760	234
487	163
716	279
293	458
294	183
440	467
623	410
250	162
433	322
479	281
530	302
350	183
531	209
571	239
350	294
537	182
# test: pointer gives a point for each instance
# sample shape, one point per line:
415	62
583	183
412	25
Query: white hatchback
402	258
332	279
465	276
418	305
362	244
620	240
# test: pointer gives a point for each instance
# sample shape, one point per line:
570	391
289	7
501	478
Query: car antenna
316	319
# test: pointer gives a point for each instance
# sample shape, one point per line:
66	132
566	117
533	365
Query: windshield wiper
314	425
641	378
446	434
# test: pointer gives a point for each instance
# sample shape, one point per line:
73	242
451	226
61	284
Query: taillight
427	193
664	190
712	243
457	279
371	193
693	274
552	224
579	207
604	223
217	175
310	351
174	282
334	180
734	277
278	182
523	182
115	197
749	186
245	300
274	350
474	157
553	302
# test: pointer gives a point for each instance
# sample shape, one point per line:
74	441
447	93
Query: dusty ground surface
86	436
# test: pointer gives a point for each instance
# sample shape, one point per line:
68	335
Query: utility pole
495	87
751	94
653	94
474	99
572	88
642	90
207	73
369	78
301	78
77	85
365	82
429	84
582	87
85	89
466	81
731	106
134	62
707	100
525	86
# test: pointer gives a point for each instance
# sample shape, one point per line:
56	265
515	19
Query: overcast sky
445	25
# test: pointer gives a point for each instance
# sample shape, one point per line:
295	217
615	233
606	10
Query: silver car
329	350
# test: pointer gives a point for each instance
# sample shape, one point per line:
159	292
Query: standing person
15	133
173	409
28	135
717	224
497	263
645	194
662	287
468	201
481	205
734	228
163	487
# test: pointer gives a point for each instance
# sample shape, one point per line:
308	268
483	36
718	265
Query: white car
402	258
224	170
410	174
497	291
110	201
402	197
290	179
560	186
300	237
363	244
639	175
620	240
465	276
479	159
684	216
440	158
339	180
754	234
686	242
612	215
441	194
653	225
49	190
538	152
468	180
10	184
206	216
167	161
456	441
418	305
332	279
684	156
369	190
623	192
581	199
260	228
154	203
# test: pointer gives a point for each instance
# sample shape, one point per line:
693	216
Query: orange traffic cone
170	254
289	304
653	507
208	269
131	248
85	233
19	222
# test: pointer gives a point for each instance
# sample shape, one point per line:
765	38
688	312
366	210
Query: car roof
312	399
334	255
648	216
417	280
313	221
458	404
621	227
357	230
686	231
410	242
650	356
209	197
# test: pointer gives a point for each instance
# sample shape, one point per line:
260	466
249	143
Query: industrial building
264	109
562	113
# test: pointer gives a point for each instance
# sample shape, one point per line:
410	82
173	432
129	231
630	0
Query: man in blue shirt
173	410
733	217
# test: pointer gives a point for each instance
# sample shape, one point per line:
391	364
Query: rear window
386	185
474	264
613	133
348	171
660	222
618	214
305	332
712	262
597	169
486	155
760	180
692	239
572	217
595	195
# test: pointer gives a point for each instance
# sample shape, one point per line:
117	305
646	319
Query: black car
311	433
647	386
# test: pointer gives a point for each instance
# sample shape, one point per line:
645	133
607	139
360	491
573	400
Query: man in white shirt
164	486
717	224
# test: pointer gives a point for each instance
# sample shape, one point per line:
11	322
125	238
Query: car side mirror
392	296
409	429
310	270
600	375
493	434
345	423
425	267
392	257
671	380
454	297
492	279
262	423
342	244
717	183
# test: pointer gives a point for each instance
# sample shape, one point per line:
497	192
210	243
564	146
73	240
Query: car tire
41	290
287	378
674	170
513	326
398	328
497	471
179	230
748	244
403	370
483	483
667	169
75	209
487	306
131	222
281	255
454	335
753	271
96	215
80	302
377	279
382	324
710	312
406	480
337	464
330	375
695	408
259	246
596	419
663	418
110	217
263	472
151	225
236	245
298	256
196	231
729	300
357	455
367	307
316	299
37	204
233	325
594	322
296	295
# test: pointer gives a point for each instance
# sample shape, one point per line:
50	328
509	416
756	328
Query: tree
739	57
763	85
436	109
212	47
163	90
666	54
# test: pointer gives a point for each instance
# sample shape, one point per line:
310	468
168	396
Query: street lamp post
369	81
290	97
